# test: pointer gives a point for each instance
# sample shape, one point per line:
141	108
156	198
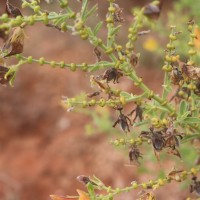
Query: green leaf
183	107
191	120
97	28
140	123
190	137
115	30
126	95
91	11
162	108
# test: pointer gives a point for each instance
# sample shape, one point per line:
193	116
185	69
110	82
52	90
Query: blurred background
43	148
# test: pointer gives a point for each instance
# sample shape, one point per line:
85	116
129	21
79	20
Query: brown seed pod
97	52
123	121
134	59
112	74
3	71
156	137
118	14
197	90
85	180
153	11
94	94
12	11
176	76
175	175
15	43
134	155
195	186
138	113
189	71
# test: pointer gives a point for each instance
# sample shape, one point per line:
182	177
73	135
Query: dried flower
15	43
12	11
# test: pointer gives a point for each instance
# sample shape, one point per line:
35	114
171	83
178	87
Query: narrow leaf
191	120
115	30
91	11
183	107
97	28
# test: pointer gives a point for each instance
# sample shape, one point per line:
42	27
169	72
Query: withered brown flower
15	43
112	74
12	11
123	121
134	155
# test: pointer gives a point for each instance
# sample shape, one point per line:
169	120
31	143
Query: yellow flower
150	44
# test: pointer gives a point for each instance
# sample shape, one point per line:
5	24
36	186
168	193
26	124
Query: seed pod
12	11
112	74
176	76
117	15
152	11
190	71
123	121
85	180
134	59
94	94
195	187
97	52
175	175
158	141
15	43
134	155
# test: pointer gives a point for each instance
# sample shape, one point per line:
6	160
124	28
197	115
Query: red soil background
42	147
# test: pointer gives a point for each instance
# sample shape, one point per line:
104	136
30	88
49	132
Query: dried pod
134	59
153	11
174	152
197	90
195	187
134	155
176	76
124	122
97	52
146	196
3	71
12	11
158	141
15	43
117	15
85	180
112	74
191	72
138	113
171	136
156	137
172	141
94	94
175	175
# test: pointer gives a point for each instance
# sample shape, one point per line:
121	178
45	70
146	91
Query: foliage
165	121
